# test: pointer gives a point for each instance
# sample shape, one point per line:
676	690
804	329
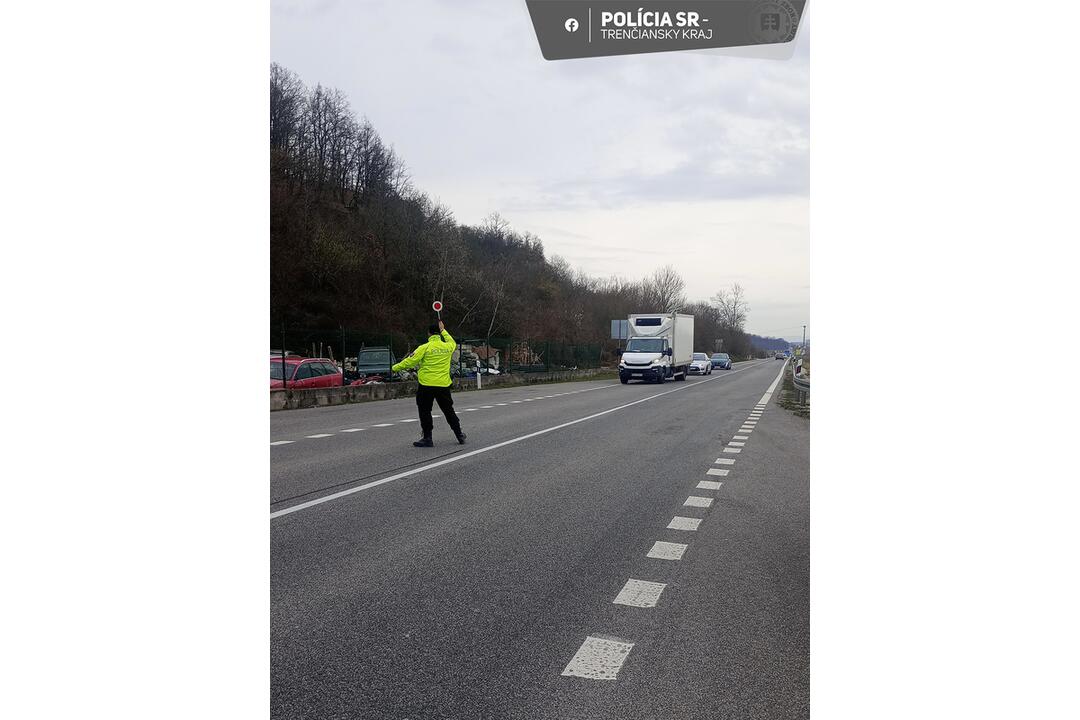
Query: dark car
721	360
373	362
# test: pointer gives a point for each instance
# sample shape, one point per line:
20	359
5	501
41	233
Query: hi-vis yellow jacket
433	357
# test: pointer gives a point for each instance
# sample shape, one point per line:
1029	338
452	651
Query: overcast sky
619	164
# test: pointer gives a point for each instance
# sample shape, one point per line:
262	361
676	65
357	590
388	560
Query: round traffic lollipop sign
437	307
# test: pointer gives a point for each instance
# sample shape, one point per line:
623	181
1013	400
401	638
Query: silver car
700	365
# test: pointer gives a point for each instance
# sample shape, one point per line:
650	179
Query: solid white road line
768	393
732	450
319	435
282	442
489	448
717	471
666	550
709	485
725	461
683	523
639	593
697	501
598	658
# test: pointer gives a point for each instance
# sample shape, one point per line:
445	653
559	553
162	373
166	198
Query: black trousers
425	394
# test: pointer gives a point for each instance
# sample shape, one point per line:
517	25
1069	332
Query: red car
304	372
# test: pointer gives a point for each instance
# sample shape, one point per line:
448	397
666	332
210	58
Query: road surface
550	568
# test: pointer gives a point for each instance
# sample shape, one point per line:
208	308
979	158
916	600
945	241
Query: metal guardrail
802	385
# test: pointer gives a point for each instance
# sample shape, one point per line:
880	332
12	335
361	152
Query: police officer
434	357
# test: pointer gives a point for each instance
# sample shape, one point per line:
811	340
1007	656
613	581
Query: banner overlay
569	29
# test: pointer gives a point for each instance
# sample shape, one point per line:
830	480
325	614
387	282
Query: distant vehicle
658	348
373	362
780	356
304	373
721	360
700	365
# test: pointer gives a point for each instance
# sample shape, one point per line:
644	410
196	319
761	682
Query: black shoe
460	438
424	442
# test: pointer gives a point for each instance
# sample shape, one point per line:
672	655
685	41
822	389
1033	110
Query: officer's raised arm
446	336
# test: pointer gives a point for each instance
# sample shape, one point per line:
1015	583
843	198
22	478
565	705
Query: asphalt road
484	586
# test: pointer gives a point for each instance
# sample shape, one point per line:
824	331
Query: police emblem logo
774	21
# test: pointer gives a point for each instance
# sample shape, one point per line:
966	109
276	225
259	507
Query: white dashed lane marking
639	593
683	523
352	430
725	461
739	437
319	435
732	450
667	550
696	501
717	471
709	485
282	442
598	658
736	444
408	421
383	425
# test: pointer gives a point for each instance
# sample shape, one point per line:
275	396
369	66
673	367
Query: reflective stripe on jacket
434	358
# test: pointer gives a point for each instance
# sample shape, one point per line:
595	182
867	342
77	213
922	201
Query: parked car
700	365
721	360
304	372
372	362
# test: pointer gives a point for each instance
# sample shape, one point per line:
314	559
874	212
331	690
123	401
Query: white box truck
660	346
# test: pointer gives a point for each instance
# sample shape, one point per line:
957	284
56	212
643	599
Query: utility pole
804	339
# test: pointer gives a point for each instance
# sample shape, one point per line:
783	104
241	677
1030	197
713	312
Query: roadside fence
496	355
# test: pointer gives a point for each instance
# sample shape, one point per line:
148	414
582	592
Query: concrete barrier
322	397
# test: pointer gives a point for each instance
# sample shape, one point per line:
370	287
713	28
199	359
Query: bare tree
664	289
732	307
